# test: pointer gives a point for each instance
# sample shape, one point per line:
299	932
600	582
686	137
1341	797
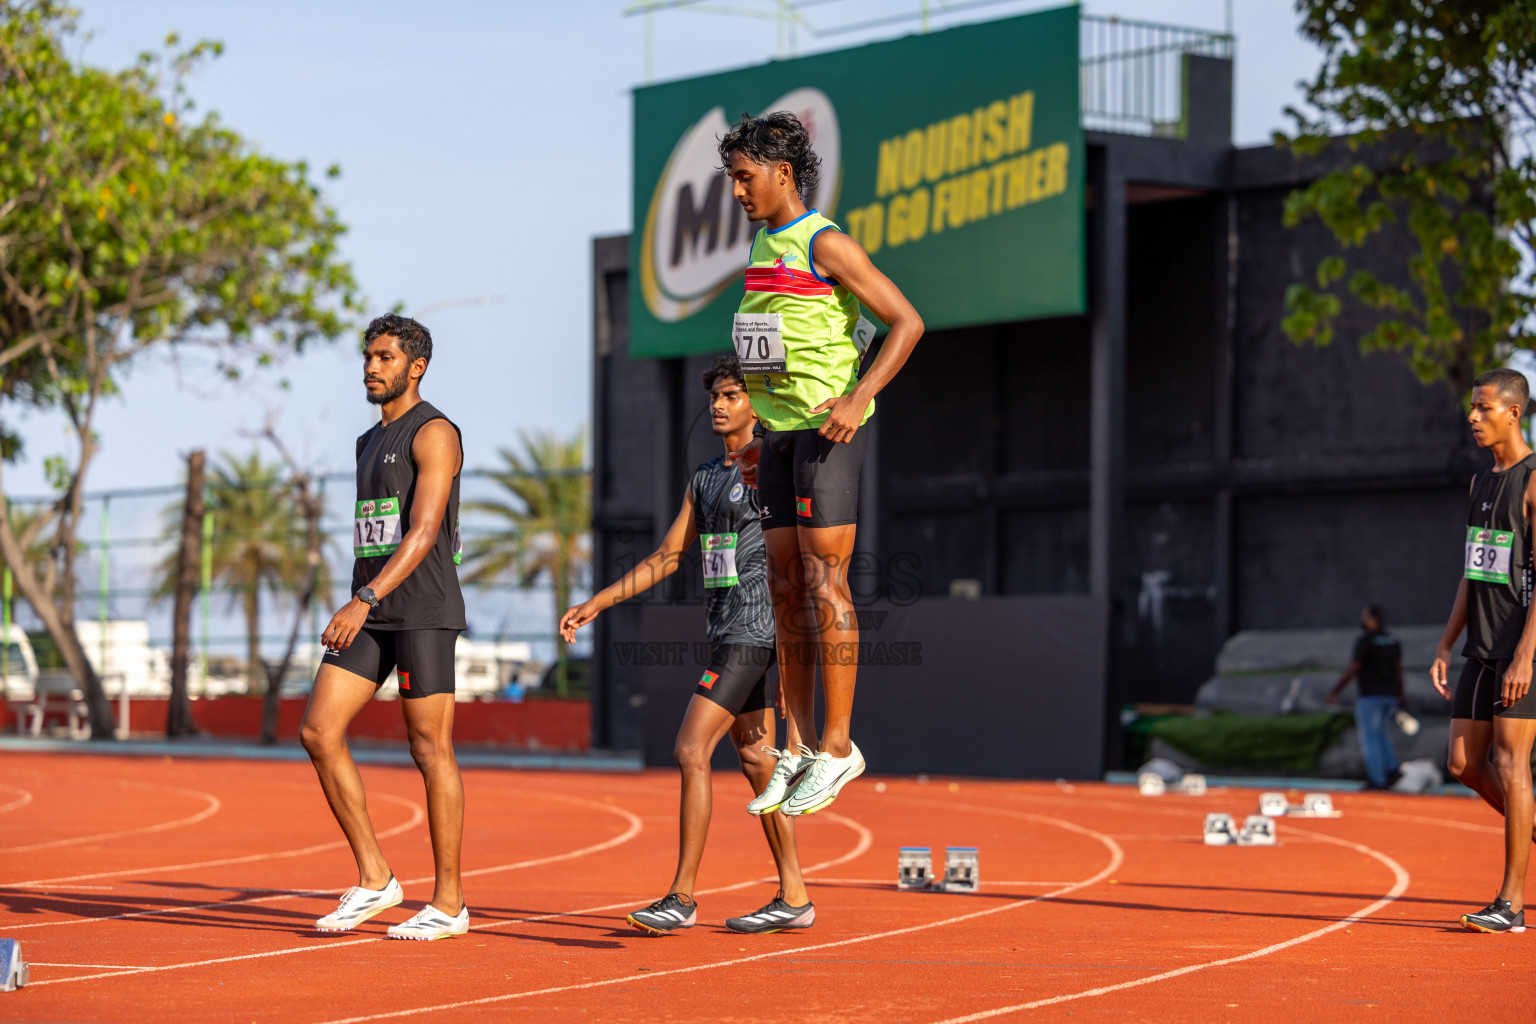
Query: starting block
1273	805
1151	784
13	970
961	869
1220	830
1258	830
1316	805
914	867
1192	785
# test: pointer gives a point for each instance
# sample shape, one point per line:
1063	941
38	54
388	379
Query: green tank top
794	329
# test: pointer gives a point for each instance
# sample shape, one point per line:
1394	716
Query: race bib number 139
1488	554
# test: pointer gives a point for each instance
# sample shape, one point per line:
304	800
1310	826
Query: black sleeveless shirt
1498	590
430	597
736	598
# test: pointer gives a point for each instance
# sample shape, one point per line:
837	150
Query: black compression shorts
423	659
737	678
803	479
1480	690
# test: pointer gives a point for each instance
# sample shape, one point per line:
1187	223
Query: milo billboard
955	159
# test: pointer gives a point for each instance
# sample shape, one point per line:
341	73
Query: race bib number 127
376	528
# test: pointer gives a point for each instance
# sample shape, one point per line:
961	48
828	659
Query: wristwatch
367	596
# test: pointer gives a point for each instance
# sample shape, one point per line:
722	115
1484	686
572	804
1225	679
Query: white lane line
213	804
866	837
891	882
1399	886
111	967
20	801
418	815
1117	857
1466	826
633	830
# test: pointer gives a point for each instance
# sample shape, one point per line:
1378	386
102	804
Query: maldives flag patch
803	507
405	680
708	682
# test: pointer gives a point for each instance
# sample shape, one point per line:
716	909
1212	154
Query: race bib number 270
1488	554
759	342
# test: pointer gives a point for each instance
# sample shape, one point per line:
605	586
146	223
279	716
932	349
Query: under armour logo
1487	505
390	457
762	510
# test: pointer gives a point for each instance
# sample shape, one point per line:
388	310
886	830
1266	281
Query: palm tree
543	525
258	543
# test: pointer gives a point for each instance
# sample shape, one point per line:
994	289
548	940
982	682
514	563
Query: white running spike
1151	784
1273	805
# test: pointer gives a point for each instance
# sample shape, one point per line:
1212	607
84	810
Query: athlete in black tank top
1494	708
403	620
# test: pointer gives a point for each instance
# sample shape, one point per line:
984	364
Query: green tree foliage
258	544
1438	101
543	526
128	222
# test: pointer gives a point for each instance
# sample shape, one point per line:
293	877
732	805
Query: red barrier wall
564	725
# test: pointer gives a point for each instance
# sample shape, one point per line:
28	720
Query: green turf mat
1288	742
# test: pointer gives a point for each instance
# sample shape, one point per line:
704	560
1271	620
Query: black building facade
1071	515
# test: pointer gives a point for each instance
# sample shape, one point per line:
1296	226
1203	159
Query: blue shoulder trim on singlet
810	255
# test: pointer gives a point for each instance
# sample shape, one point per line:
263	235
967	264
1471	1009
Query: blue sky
483	145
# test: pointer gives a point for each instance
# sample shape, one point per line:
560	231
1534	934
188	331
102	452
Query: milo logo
697	238
365	508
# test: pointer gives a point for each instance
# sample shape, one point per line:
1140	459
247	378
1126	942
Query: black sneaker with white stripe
777	916
1495	917
668	914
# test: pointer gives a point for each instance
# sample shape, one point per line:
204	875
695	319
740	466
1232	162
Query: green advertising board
955	159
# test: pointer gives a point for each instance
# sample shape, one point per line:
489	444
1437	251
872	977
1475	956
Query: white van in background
18	666
126	662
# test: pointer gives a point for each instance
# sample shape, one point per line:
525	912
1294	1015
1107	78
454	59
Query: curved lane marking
628	834
19	802
214	804
1117	857
418	815
863	844
1399	886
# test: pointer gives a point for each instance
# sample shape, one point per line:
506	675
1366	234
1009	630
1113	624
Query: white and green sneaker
824	778
785	774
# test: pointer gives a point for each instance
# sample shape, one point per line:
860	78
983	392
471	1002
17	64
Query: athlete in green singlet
795	337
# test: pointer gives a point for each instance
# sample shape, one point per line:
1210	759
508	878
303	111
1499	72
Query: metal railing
1133	72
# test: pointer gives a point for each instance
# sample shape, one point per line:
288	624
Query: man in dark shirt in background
1378	665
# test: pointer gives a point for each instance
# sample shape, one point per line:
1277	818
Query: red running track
185	891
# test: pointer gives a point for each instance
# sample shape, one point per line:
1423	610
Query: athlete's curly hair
723	366
415	340
772	137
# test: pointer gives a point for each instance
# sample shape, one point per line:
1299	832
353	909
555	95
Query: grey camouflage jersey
736	595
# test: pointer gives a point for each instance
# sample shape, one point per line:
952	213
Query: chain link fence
125	561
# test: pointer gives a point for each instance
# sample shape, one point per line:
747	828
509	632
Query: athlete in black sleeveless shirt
405	615
1494	707
721	511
